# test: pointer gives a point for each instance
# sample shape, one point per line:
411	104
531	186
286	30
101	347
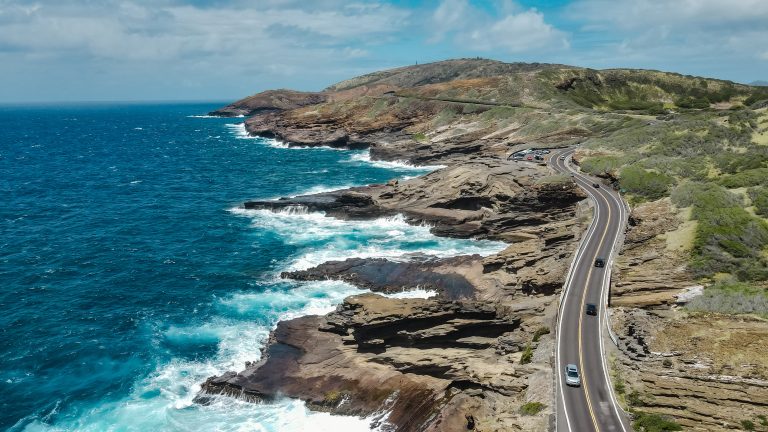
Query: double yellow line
582	308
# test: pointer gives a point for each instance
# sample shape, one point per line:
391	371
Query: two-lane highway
592	405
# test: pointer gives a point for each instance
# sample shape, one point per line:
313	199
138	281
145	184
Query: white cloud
707	37
521	32
514	30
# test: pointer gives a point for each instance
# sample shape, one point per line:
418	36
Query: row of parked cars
529	155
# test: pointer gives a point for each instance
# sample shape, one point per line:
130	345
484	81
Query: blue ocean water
128	274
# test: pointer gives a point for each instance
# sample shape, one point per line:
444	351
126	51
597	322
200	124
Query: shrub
532	408
527	355
763	420
692	102
601	165
634	399
747	425
645	422
730	296
647	184
728	238
419	137
750	177
759	197
541	331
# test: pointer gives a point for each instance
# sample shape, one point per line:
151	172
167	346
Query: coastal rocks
350	204
413	360
709	372
484	198
651	269
444	276
270	101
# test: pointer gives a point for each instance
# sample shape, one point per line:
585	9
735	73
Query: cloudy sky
75	50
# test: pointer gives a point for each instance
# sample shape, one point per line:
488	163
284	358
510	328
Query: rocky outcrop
708	372
270	101
484	198
443	276
652	267
421	364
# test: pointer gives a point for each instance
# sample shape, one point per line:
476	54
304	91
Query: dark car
599	262
596	185
591	309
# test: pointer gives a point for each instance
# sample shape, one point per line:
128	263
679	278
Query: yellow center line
581	315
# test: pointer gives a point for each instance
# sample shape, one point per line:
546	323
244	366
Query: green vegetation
618	380
532	408
554	180
731	297
527	355
645	422
602	165
634	399
747	425
541	331
333	397
643	183
419	137
763	420
759	197
728	238
750	177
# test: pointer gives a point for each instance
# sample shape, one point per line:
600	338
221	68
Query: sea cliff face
473	355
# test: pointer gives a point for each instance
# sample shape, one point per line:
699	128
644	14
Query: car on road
572	377
596	185
591	309
562	157
599	262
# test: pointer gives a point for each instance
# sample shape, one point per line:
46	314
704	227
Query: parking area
531	155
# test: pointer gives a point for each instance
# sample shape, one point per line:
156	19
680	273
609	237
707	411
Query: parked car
562	157
591	309
572	377
530	158
596	185
599	262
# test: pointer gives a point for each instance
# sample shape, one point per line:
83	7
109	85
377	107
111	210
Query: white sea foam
416	293
203	116
163	401
241	133
365	157
324	239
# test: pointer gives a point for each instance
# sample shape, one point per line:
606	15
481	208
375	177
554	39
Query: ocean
129	274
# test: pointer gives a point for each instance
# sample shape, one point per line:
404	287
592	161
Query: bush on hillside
532	408
728	238
692	102
645	422
759	197
750	177
646	184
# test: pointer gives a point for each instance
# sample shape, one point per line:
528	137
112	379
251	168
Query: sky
142	50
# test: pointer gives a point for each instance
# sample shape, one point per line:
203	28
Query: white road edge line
603	302
566	288
604	305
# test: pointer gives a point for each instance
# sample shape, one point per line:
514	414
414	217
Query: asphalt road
590	407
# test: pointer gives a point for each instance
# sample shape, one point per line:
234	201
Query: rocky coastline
479	354
450	362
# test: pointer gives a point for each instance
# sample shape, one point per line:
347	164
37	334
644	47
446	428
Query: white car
572	377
